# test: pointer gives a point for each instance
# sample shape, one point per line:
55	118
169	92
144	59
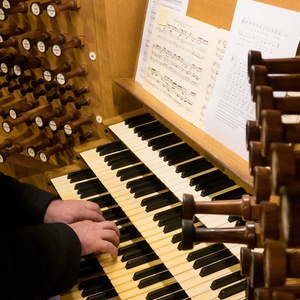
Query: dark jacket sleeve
22	204
38	262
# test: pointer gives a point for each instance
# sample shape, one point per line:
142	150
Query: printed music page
182	54
275	33
179	6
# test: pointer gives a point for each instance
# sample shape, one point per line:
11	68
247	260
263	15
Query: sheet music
179	6
181	62
256	26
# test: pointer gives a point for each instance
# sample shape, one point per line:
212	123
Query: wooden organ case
152	264
59	58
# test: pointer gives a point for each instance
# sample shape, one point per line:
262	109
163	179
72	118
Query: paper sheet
256	26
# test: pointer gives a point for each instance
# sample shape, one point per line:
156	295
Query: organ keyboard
147	189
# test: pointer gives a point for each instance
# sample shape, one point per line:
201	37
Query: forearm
24	204
38	262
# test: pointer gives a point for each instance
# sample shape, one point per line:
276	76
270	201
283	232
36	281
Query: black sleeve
22	204
38	262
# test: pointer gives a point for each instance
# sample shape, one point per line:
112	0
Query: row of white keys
128	203
120	277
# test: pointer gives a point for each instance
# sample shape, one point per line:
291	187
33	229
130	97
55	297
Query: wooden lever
265	99
274	65
290	207
259	76
279	264
244	207
248	234
274	130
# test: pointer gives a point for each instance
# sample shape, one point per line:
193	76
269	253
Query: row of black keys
171	220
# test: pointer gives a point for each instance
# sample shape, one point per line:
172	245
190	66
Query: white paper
181	61
153	5
273	31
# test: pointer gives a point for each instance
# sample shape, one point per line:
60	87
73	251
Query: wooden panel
220	13
111	31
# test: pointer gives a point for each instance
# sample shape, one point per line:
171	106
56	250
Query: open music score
253	28
205	80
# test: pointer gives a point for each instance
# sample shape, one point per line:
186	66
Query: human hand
70	211
97	237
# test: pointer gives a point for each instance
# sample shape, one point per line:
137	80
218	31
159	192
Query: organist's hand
71	211
97	237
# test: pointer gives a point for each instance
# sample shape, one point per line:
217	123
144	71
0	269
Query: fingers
97	237
91	211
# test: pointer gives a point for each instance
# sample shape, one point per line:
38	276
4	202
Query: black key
175	296
128	233
154	279
158	216
152	129
212	268
96	281
208	190
114	213
163	291
89	184
89	265
164	141
124	162
110	148
176	238
122	222
225	280
149	271
90	188
103	295
138	250
138	120
234	194
146	126
173	150
141	260
104	200
166	221
181	157
103	286
207	177
145	182
132	172
193	167
141	181
153	133
159	202
172	226
163	203
211	258
218	180
204	251
156	198
147	190
232	290
116	156
81	175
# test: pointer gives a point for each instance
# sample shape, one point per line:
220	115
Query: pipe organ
58	62
196	220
